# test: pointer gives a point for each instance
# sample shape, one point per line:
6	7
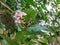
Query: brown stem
7	6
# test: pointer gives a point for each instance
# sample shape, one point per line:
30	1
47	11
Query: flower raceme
19	14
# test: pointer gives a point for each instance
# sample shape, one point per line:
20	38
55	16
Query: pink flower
17	21
19	14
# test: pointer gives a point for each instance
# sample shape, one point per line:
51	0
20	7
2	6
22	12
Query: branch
7	6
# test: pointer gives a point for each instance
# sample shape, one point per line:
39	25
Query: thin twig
7	6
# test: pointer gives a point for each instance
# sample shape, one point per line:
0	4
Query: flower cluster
19	14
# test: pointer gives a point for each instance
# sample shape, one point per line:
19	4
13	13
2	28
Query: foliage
39	26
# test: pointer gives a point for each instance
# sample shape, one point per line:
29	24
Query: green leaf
31	14
2	27
8	40
36	29
58	1
43	6
31	2
44	16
